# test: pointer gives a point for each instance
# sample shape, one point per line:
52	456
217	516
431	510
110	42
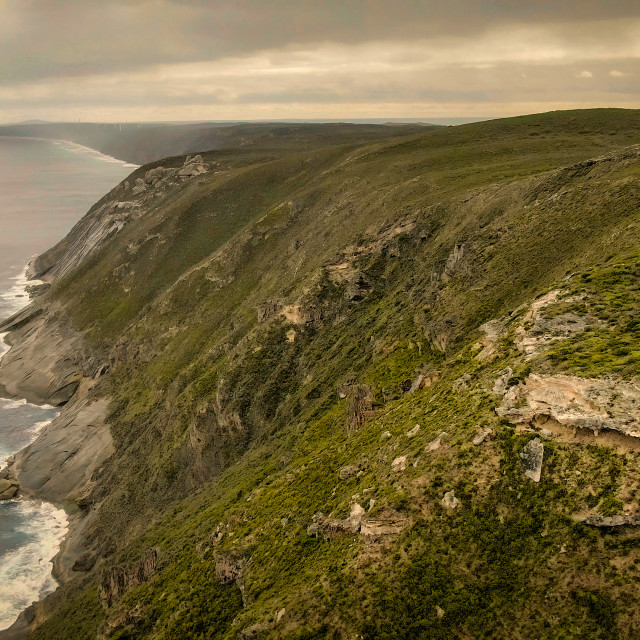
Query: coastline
57	466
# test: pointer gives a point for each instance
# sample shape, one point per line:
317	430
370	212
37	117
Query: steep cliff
381	391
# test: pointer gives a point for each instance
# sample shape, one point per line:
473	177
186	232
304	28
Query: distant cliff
143	143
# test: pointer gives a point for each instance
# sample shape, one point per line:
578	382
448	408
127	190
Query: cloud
127	59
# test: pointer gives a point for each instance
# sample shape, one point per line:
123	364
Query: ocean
46	186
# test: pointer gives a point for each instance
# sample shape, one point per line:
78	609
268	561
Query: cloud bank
250	59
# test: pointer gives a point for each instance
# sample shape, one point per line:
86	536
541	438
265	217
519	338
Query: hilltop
333	389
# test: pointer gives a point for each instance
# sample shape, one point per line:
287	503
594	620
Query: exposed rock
424	380
329	528
462	383
482	436
413	432
347	472
399	464
388	522
532	456
623	520
355	517
230	566
536	332
47	359
449	501
192	167
493	331
352	469
439	612
153	176
8	489
501	384
61	462
385	435
254	632
434	445
360	405
587	403
116	581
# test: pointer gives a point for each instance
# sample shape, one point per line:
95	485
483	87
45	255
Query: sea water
46	186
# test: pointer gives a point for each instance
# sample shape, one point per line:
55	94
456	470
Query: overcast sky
105	60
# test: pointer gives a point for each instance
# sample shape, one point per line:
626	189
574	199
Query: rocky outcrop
192	167
586	403
360	408
116	581
537	332
59	464
623	520
48	358
386	523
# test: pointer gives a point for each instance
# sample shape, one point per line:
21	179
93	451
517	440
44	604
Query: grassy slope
223	425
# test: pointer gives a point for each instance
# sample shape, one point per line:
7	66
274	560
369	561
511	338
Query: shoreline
47	353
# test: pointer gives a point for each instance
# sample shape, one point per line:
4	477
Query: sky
148	60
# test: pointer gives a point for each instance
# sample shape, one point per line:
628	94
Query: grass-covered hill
381	390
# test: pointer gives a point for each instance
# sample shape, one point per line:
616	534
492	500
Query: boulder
532	456
399	464
355	517
8	489
449	501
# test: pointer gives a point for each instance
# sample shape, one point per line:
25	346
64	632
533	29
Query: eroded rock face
388	522
532	456
586	403
537	332
118	580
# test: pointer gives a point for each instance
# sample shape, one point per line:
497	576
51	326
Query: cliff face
348	390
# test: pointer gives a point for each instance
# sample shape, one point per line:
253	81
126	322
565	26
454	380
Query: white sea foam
25	574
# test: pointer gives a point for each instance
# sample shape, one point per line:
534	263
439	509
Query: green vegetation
256	297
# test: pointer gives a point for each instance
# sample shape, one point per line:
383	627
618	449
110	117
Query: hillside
353	390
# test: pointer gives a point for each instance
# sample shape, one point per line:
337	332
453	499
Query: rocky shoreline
49	363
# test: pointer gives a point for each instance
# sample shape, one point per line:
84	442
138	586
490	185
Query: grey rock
413	432
532	456
462	383
482	436
449	501
434	445
8	489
